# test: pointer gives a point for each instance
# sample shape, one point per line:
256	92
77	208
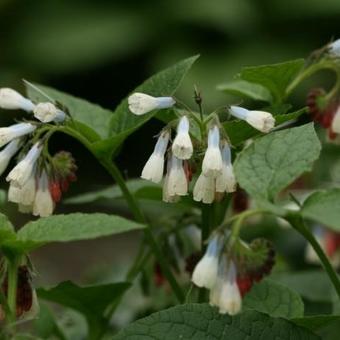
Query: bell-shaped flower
182	146
230	297
206	270
7	153
12	100
23	170
166	196
212	161
43	204
204	189
225	182
9	133
335	127
334	48
177	183
141	103
154	167
260	120
48	112
25	194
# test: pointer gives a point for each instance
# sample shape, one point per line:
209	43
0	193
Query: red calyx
55	191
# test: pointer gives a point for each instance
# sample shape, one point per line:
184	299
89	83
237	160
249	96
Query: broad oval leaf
274	161
275	77
323	207
274	299
202	322
71	227
246	89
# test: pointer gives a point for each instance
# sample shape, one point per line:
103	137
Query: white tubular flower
12	100
23	170
141	103
205	272
9	133
43	204
177	181
48	112
23	195
182	146
226	182
230	297
334	48
336	121
7	153
212	161
154	167
166	196
204	189
260	120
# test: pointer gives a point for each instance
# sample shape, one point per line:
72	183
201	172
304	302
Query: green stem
309	71
12	274
298	223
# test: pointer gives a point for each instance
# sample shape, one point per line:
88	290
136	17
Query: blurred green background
100	50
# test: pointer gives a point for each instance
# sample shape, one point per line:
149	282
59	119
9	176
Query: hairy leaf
274	299
274	161
323	207
201	322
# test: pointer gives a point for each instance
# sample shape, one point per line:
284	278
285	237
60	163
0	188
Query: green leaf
7	231
275	77
323	207
239	131
71	227
91	301
164	83
93	120
274	161
274	299
112	192
313	285
201	322
315	323
245	89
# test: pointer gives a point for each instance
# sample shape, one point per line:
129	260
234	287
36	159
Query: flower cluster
217	272
217	176
38	180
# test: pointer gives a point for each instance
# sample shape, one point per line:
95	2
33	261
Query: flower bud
48	112
9	133
141	103
12	100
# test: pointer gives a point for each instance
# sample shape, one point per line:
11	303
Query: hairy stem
298	223
12	275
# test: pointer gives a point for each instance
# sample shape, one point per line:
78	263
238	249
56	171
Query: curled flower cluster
217	176
37	180
217	272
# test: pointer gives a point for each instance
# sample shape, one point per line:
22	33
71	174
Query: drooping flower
141	103
23	195
182	146
9	133
177	183
48	112
212	161
165	194
260	120
154	167
23	170
226	182
205	272
230	298
7	153
204	189
12	100
43	204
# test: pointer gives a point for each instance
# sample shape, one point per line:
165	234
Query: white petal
182	146
48	112
212	162
12	100
43	204
153	169
141	103
205	272
204	189
261	120
177	180
9	133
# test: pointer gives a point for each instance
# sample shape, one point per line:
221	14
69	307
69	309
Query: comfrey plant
215	201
